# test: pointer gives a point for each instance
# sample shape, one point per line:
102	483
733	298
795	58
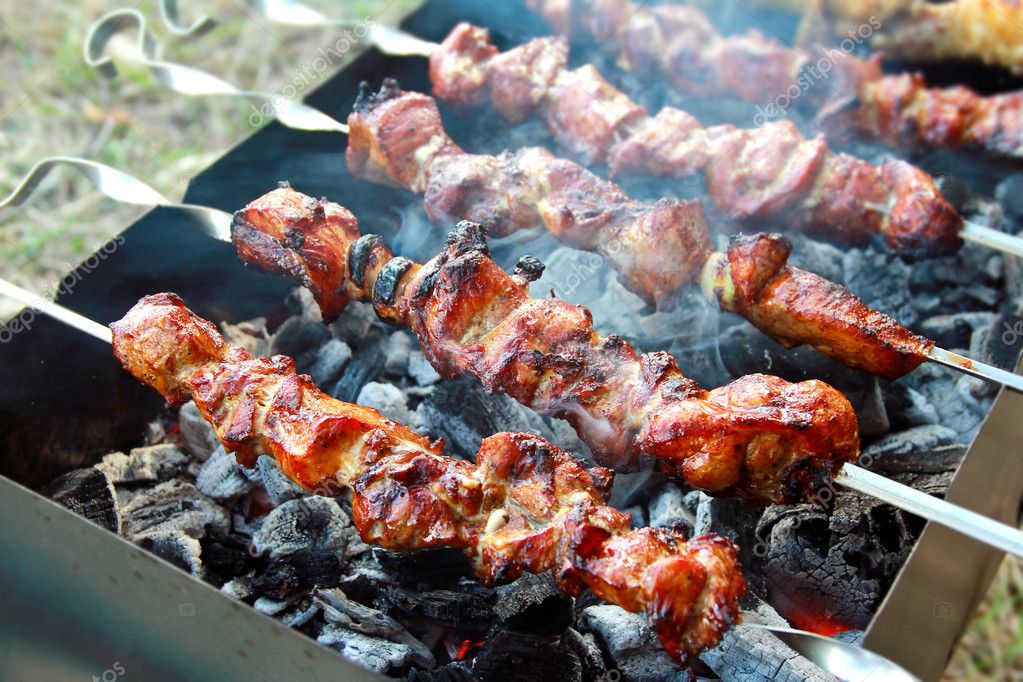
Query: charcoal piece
954	330
925	449
1000	342
221	477
420	369
298	571
270	607
590	656
278	486
363	580
330	359
397	348
426	567
881	280
634	649
456	671
144	465
906	407
667	509
355	324
298	335
177	548
365	365
312	523
197	434
374	653
467	612
251	335
745	350
758	656
871	412
832	570
174	505
525	657
957	406
88	493
297	616
388	399
463	413
225	556
817	257
338	609
1009	193
301	302
238	588
533	603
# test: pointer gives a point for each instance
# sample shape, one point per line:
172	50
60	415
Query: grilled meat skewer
524	506
681	43
766	173
759	438
398	138
982	30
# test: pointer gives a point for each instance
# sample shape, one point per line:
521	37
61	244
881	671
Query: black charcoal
174	505
197	434
298	335
533	603
312	523
279	487
88	493
330	359
146	464
221	477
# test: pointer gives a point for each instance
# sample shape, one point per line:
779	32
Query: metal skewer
123	187
845	660
187	80
971	524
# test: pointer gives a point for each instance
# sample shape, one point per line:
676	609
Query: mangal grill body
80	599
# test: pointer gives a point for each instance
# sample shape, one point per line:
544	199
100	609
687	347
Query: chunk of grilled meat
919	30
681	43
657	250
524	506
771	172
759	438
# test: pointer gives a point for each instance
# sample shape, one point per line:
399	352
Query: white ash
420	369
197	434
310	523
238	588
251	335
146	464
173	505
668	510
177	547
630	642
301	302
355	323
331	358
397	349
221	477
374	653
270	607
388	399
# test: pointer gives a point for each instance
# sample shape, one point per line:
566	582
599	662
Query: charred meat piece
524	506
760	438
680	43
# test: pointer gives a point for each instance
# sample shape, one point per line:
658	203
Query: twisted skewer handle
186	80
121	187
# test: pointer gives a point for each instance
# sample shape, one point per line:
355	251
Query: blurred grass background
52	103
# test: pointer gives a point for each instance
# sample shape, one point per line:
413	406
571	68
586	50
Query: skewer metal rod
56	311
981	370
969	523
981	234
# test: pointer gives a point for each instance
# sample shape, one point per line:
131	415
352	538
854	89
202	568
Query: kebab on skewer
820	313
982	30
680	43
398	138
523	506
759	438
757	174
